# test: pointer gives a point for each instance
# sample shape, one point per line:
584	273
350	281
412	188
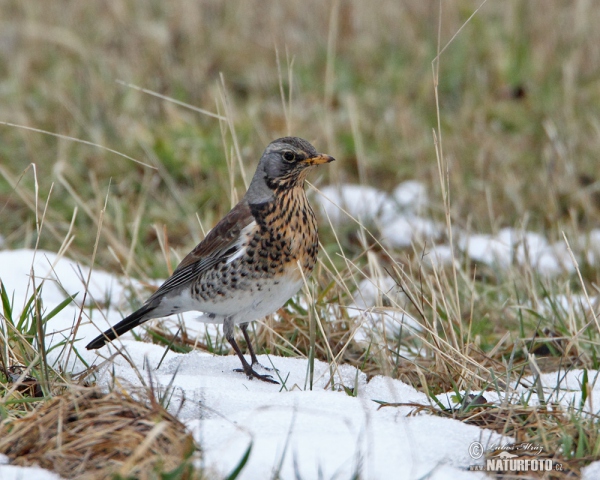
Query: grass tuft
86	433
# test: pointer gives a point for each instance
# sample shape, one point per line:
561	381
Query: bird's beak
320	159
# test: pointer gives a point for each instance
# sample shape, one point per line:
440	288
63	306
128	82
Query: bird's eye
289	156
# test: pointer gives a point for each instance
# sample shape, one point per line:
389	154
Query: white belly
244	306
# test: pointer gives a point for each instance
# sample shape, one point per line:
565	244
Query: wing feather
221	243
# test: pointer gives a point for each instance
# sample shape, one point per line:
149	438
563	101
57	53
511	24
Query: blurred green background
519	110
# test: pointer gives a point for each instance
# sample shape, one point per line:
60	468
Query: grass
516	142
152	443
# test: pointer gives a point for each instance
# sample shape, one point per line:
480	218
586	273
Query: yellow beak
320	159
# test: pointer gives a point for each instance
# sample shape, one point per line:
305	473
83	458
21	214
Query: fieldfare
252	261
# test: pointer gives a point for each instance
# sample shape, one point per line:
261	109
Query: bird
253	261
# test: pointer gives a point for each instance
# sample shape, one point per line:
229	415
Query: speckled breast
283	236
286	236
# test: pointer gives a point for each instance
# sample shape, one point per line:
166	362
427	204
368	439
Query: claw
252	374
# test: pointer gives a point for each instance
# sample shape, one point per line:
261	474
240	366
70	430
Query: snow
59	275
532	248
329	431
366	204
591	472
323	431
369	203
376	321
372	292
512	246
399	218
397	215
590	244
568	304
411	196
400	221
318	432
487	249
559	388
403	231
13	472
438	256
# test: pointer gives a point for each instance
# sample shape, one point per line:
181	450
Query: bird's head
284	164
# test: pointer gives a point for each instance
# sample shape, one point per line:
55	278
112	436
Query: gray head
284	164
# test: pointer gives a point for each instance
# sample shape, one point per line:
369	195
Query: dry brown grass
88	434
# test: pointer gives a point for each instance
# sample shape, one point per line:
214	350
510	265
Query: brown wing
220	243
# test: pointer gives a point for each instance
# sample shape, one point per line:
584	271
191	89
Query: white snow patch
576	304
590	244
438	256
373	292
531	248
403	231
487	249
14	472
379	308
591	472
380	324
396	214
411	196
362	202
559	388
61	277
521	247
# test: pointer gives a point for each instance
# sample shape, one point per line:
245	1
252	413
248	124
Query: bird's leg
246	367
244	328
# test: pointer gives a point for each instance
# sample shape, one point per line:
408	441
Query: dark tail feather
136	318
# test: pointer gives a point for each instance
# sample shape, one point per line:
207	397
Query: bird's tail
136	318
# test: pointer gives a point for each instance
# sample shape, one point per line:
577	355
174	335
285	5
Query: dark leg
246	367
244	328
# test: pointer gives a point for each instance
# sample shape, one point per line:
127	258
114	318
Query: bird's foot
249	371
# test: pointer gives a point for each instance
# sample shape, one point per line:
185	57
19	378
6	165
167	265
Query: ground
459	225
